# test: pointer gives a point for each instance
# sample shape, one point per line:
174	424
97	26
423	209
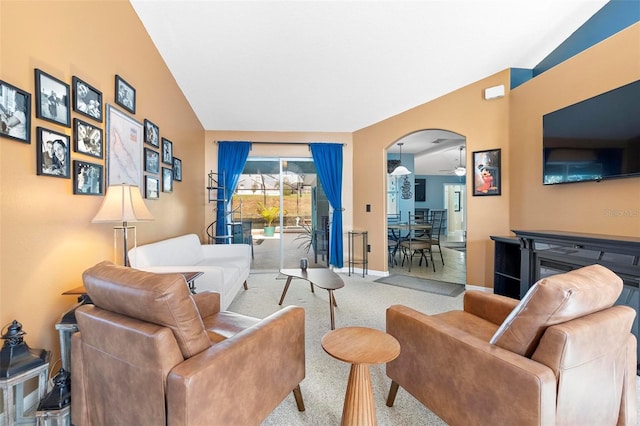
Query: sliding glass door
283	201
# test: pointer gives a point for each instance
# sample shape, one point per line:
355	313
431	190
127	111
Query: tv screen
593	140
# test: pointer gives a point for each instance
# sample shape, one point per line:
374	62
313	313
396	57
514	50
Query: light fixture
460	170
400	170
123	203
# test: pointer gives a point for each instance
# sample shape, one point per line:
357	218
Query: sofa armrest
207	302
439	364
209	387
491	307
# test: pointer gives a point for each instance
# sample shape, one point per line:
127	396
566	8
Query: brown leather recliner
563	355
150	353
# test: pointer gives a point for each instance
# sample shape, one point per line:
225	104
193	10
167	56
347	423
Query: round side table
360	346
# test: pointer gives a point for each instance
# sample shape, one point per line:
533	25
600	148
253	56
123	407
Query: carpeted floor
362	302
422	284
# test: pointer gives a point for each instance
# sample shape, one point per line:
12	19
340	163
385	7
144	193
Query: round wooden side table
360	346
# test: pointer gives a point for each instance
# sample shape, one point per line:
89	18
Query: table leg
284	292
359	408
331	302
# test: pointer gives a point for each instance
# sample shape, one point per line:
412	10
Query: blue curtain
328	160
232	156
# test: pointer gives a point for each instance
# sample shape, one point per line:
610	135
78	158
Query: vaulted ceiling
339	66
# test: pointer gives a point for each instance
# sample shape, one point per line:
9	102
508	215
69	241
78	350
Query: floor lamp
123	204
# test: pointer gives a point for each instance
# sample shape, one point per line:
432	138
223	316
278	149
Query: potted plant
269	214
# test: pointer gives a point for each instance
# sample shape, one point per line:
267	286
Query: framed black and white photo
52	99
167	180
151	161
177	169
15	113
125	95
167	151
151	188
124	139
87	100
487	172
87	178
87	138
53	153
151	134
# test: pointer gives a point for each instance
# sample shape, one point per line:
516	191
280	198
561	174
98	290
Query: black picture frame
15	113
53	153
421	189
87	178
125	95
167	151
167	179
151	188
87	100
151	134
151	161
177	169
88	139
52	99
487	173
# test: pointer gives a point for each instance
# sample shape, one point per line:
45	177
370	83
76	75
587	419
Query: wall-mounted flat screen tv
593	140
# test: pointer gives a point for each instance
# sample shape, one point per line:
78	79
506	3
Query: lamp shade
400	171
123	203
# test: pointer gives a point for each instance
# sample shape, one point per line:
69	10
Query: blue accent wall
434	190
612	18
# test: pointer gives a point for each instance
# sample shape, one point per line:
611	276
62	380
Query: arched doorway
436	158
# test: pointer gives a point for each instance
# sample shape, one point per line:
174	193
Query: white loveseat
225	266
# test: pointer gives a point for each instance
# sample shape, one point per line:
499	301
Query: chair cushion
162	299
553	300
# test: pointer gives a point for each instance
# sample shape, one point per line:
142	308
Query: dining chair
413	246
436	230
393	239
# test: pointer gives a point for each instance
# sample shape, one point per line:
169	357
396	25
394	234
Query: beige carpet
362	302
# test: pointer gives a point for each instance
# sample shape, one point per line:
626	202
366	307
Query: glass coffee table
320	277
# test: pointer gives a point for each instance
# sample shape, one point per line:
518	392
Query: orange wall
464	111
608	207
47	238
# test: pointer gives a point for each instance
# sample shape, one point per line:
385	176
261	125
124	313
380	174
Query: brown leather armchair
563	355
150	353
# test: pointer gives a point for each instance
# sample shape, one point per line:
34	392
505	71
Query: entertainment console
521	261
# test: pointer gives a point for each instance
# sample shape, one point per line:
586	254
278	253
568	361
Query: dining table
397	230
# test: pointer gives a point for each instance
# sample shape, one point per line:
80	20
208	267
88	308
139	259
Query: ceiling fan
460	169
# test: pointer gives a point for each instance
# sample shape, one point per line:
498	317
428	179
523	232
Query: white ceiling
339	66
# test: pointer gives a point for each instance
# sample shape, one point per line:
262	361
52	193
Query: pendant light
460	170
400	170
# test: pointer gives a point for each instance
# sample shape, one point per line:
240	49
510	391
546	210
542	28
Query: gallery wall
47	239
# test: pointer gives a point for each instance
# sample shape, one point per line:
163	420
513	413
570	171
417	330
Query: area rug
430	286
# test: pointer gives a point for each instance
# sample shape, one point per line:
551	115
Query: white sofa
225	266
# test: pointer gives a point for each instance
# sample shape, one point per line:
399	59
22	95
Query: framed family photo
151	188
52	99
53	153
487	173
151	161
87	100
167	151
15	113
87	178
167	180
177	169
125	95
87	138
151	134
124	148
